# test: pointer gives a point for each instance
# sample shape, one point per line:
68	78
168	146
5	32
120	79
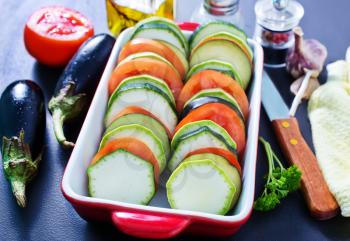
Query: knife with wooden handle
320	201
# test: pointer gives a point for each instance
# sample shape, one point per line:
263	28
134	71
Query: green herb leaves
280	181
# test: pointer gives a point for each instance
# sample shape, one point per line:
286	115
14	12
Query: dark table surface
50	217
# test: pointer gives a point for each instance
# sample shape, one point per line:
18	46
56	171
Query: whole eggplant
22	127
78	82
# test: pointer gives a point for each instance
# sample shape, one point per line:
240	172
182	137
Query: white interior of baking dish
74	182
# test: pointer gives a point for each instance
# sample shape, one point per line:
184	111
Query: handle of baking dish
190	26
158	226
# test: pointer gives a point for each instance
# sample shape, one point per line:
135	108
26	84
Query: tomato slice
139	110
133	146
229	156
149	66
223	116
208	79
53	34
148	45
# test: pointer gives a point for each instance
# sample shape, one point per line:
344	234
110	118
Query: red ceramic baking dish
158	220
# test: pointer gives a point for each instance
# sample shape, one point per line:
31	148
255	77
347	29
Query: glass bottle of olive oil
122	14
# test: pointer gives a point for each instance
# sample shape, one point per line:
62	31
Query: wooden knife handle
320	201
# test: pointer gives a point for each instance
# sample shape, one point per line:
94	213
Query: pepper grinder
218	10
275	20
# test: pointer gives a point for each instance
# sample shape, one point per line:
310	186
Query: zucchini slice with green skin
161	29
145	85
146	96
141	133
179	52
229	169
194	127
122	176
221	66
216	92
200	185
210	28
228	52
198	102
148	79
230	37
146	121
200	138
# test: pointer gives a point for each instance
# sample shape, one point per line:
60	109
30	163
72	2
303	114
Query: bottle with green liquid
122	14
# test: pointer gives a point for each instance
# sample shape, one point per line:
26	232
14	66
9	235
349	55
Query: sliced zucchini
198	102
141	133
227	51
148	79
145	96
170	23
161	29
197	139
222	163
230	37
221	66
148	122
204	125
122	176
179	52
200	185
210	28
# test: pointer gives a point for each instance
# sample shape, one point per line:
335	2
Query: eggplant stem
58	120
19	191
65	106
298	97
19	168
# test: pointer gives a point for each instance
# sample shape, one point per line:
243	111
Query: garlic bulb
307	53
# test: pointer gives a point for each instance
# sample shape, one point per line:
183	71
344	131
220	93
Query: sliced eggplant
145	96
22	127
221	66
202	186
200	101
122	176
141	133
215	92
198	139
209	125
77	84
148	122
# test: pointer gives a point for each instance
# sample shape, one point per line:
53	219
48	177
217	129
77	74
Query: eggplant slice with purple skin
22	128
78	82
196	103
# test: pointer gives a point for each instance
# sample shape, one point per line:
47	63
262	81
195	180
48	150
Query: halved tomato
148	45
52	35
149	66
223	116
209	79
133	146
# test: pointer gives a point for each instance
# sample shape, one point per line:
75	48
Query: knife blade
320	201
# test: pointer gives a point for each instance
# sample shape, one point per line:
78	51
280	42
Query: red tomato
222	115
52	35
